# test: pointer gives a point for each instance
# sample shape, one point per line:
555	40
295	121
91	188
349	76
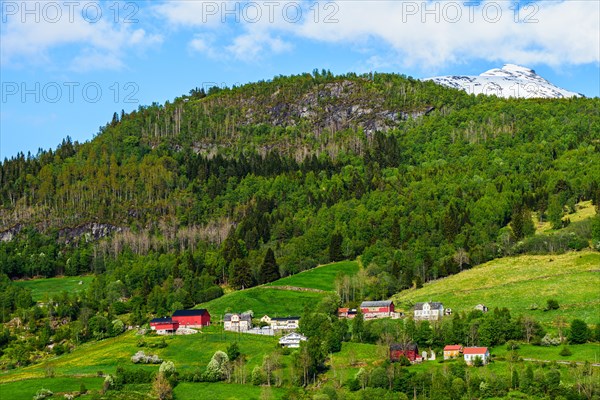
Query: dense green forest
170	203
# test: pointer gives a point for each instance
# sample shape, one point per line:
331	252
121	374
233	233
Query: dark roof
404	347
190	313
433	304
243	317
165	320
384	303
284	318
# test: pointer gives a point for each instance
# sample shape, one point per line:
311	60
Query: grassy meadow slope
49	287
321	278
285	296
519	283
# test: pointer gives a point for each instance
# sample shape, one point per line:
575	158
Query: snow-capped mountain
508	81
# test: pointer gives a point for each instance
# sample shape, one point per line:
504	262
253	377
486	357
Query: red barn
192	318
164	325
377	309
410	351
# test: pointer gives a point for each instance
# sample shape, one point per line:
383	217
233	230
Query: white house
292	340
431	311
282	324
471	353
237	322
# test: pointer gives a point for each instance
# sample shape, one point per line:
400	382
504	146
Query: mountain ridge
509	81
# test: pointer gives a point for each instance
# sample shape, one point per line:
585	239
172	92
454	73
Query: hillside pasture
27	388
40	288
522	284
263	300
224	391
321	278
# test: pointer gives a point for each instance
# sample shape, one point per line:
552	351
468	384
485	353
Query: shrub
512	345
258	377
579	332
552	304
167	368
550	340
42	394
142	358
565	352
233	351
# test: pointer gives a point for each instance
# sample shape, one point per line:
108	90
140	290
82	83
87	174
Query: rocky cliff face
332	106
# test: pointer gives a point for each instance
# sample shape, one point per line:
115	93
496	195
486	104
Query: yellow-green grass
583	210
225	391
579	352
263	300
187	352
354	356
26	389
322	277
48	287
573	279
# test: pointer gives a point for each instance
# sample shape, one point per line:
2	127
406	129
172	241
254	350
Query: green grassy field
322	277
187	352
26	389
261	300
517	283
224	391
53	286
580	353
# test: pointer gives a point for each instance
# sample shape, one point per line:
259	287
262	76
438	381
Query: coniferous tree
335	247
240	275
395	239
269	270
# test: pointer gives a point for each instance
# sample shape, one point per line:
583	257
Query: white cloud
428	34
253	44
102	44
565	32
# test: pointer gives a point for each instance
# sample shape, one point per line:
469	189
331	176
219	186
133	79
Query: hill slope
518	283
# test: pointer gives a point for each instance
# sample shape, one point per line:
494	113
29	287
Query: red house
164	325
377	309
410	351
192	318
344	312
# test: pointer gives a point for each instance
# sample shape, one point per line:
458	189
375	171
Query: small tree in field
579	332
218	366
162	388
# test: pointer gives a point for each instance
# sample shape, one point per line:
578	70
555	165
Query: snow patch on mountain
509	81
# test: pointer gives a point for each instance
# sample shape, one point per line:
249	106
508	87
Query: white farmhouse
431	311
471	353
282	324
292	340
237	322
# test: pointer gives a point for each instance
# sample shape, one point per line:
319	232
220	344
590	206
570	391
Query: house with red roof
192	318
164	326
452	351
471	353
408	350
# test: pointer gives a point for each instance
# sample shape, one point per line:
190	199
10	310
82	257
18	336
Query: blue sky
66	67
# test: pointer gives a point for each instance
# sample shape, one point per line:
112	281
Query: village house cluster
424	311
186	321
182	320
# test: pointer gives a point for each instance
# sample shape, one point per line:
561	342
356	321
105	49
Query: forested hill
419	179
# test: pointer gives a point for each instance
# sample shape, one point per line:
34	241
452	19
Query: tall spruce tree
269	270
335	247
